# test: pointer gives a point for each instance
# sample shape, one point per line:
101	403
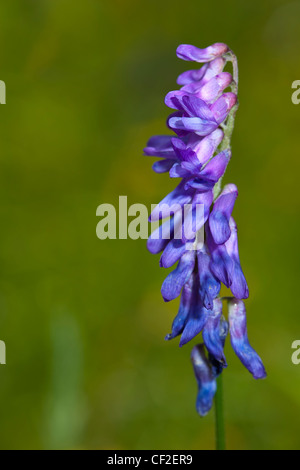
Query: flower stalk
228	127
219	413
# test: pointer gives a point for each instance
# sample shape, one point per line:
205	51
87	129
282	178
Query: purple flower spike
207	386
175	281
203	120
188	52
211	333
240	342
239	286
221	213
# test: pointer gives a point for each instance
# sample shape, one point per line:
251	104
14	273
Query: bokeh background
83	319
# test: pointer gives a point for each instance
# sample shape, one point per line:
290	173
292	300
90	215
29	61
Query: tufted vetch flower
197	154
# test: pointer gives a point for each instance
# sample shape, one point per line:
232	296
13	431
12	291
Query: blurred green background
83	319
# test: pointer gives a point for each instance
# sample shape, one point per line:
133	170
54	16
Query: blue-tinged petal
195	322
196	215
172	203
160	237
175	281
191	168
182	133
210	174
221	263
163	166
221	213
239	286
201	185
240	342
211	333
171	254
173	99
192	124
178	171
207	386
184	152
160	146
187	300
205	397
189	105
209	285
217	366
216	167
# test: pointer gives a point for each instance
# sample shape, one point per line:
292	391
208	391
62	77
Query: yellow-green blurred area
83	319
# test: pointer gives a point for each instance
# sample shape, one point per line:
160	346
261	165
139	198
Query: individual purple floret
195	115
211	332
202	118
187	52
218	366
220	215
205	378
239	339
198	78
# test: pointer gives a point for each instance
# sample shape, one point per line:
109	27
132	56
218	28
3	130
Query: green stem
226	144
229	124
220	425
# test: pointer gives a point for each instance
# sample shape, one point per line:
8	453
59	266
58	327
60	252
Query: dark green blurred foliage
83	319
